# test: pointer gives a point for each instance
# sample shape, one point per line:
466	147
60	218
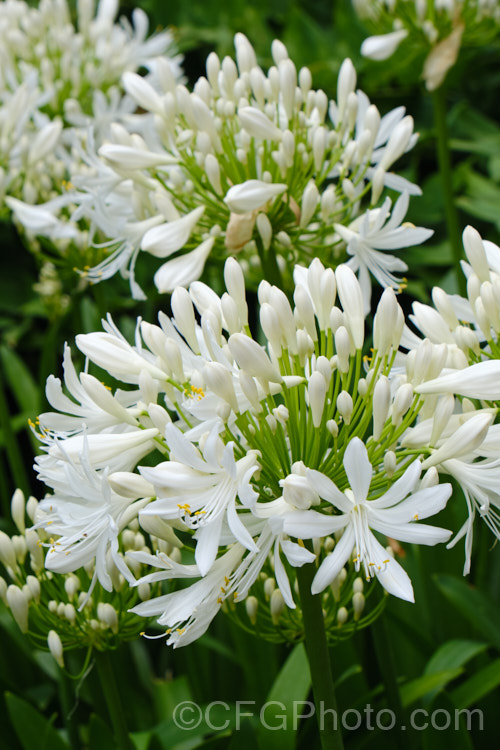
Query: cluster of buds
348	605
250	163
436	30
58	611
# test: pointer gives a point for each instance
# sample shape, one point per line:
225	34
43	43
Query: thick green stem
444	162
319	662
112	696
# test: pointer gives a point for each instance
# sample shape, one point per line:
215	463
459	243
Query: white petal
166	239
183	270
358	469
282	578
402	487
333	564
327	490
481	380
308	524
207	545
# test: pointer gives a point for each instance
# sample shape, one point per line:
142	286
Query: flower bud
345	406
277	605
108	616
358	604
55	647
342	616
7	551
269	587
298	492
316	390
34	588
17	506
252	606
18	603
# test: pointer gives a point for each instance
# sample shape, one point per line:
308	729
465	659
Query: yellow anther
415	517
386	561
300	543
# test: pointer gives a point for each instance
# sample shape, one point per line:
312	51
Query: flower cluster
257	164
66	611
255	459
60	85
436	29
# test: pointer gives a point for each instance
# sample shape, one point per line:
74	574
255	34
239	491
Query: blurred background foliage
446	647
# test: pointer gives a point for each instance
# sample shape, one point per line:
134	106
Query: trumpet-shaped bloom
202	489
393	514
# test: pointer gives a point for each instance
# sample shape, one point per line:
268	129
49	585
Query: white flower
202	489
377	231
86	516
392	514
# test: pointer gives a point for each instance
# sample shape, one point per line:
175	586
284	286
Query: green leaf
476	687
451	655
100	735
33	729
290	688
483	614
20	381
416	689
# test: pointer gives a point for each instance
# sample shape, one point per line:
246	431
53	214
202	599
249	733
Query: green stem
319	661
112	695
445	169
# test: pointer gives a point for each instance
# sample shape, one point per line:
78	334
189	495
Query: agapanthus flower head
252	163
255	456
55	609
60	87
434	31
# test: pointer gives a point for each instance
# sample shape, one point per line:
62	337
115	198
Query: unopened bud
269	586
252	606
358	604
17	506
55	647
342	616
345	406
18	603
276	606
107	614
